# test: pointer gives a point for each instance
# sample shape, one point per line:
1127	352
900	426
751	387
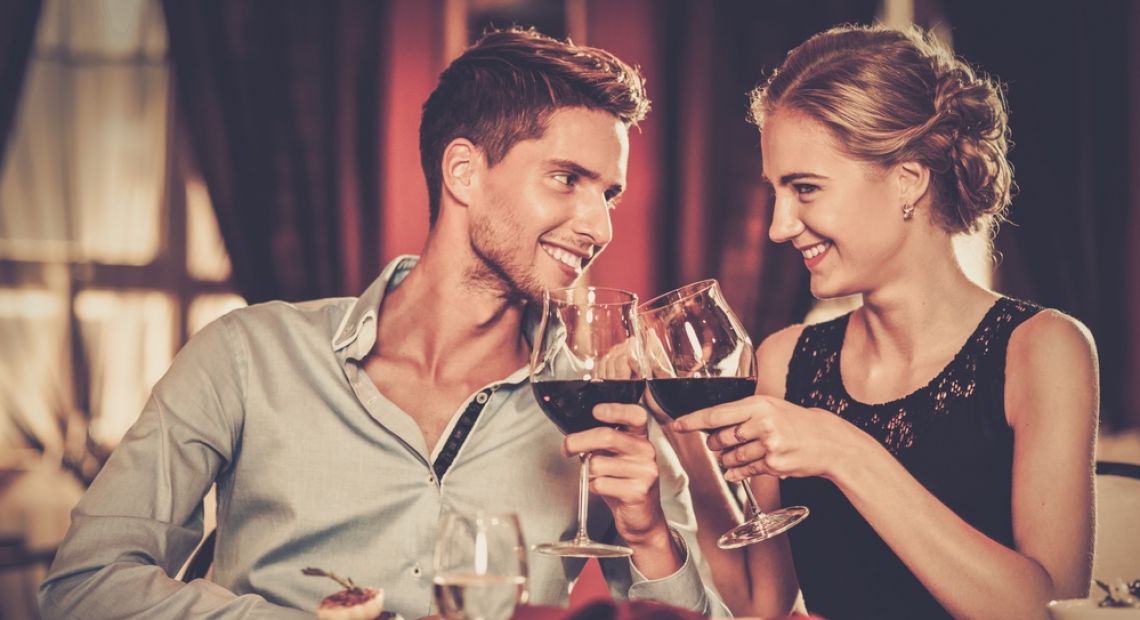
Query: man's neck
448	329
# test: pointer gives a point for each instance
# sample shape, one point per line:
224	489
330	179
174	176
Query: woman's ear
461	160
914	181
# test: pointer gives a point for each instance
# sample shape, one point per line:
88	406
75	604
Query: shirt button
431	479
481	398
416	571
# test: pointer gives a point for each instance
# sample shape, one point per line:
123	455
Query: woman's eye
804	189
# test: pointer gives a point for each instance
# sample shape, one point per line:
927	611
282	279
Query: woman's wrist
854	457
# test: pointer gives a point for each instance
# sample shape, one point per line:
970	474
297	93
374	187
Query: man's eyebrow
574	167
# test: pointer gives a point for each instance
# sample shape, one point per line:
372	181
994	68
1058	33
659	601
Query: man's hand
623	472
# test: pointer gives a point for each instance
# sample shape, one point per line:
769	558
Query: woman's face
843	215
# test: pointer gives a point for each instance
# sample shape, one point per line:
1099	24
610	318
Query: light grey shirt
315	467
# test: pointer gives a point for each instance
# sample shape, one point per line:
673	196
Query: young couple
941	433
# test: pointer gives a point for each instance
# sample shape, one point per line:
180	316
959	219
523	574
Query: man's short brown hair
504	88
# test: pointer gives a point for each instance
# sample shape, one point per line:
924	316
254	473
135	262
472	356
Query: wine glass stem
752	503
583	497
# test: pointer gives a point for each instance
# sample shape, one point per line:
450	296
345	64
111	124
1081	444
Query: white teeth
815	250
562	256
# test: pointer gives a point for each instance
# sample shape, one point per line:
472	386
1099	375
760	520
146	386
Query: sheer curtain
84	176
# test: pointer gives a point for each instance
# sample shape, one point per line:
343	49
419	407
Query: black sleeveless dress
951	435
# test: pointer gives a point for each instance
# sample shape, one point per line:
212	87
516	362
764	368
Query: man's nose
593	220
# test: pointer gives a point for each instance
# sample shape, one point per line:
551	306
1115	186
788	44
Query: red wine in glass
682	396
570	404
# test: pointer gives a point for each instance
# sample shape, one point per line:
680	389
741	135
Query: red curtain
696	207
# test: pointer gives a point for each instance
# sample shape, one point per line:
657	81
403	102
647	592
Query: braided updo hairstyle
890	96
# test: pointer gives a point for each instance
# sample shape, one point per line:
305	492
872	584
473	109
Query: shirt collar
357	330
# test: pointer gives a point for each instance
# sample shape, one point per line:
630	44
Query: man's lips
572	259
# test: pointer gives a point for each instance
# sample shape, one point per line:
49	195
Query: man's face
543	213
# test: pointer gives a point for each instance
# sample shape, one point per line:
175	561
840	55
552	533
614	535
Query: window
110	256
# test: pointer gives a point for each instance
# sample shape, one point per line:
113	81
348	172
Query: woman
941	434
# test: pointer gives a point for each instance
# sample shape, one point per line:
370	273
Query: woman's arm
757	580
1051	399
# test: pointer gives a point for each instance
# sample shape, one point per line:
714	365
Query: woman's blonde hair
890	96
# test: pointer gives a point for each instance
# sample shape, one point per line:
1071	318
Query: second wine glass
479	570
588	352
699	355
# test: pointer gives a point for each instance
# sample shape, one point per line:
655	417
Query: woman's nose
786	224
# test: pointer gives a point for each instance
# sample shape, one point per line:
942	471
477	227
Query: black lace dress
951	435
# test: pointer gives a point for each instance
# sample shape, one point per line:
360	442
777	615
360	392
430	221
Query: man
338	431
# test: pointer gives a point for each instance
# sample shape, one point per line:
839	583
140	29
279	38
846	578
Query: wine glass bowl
699	355
479	568
588	352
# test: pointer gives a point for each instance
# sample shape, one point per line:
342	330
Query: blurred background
162	162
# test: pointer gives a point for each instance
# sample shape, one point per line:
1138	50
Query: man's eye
566	178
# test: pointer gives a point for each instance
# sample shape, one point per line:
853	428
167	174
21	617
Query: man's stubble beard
496	270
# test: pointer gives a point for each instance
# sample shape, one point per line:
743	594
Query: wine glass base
762	527
583	549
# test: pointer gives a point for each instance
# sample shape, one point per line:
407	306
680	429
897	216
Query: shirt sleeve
142	516
686	588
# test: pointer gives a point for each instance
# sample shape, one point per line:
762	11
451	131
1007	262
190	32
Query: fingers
717	417
743	455
624	479
755	468
632	418
728	437
631	440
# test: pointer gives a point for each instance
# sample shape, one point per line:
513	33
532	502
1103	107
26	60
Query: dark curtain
716	211
282	101
1068	75
17	33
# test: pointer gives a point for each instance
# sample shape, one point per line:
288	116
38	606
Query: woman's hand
768	435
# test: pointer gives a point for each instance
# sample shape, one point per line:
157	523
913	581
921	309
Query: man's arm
142	516
650	517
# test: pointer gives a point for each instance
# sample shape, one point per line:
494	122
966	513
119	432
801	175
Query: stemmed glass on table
699	355
588	352
480	567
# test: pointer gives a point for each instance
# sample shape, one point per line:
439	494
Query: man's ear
913	180
461	161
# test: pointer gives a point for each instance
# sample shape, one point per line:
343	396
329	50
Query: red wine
678	397
570	404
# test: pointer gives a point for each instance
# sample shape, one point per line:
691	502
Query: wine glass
588	351
698	355
480	566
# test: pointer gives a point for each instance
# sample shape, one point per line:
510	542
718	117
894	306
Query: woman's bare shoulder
1051	358
1050	338
772	358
